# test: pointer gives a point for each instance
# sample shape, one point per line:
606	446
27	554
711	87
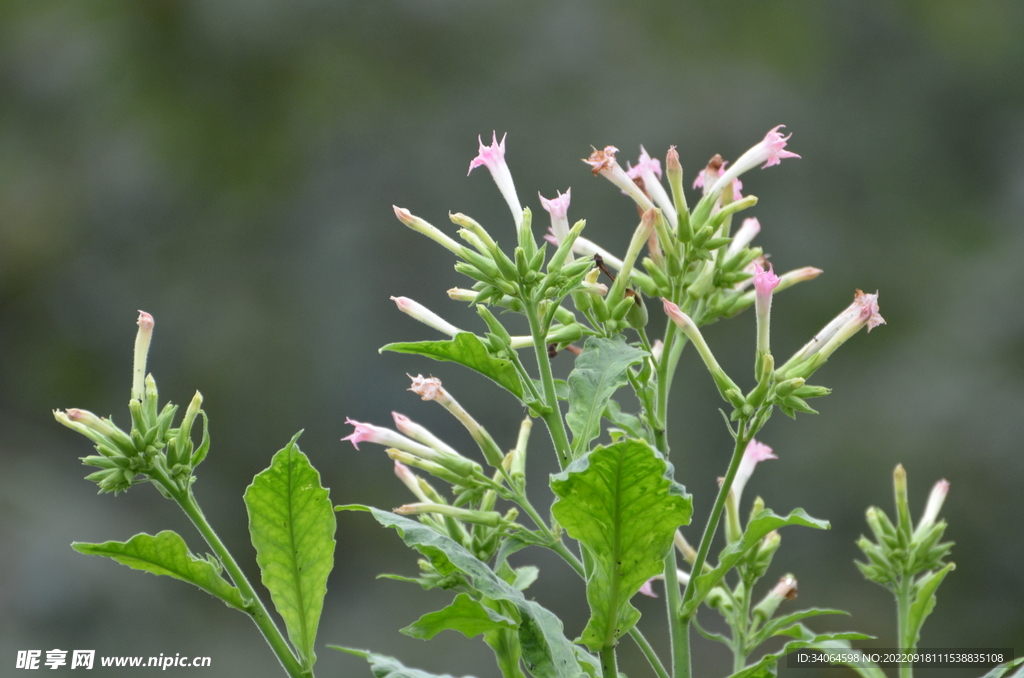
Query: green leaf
466	349
389	667
779	626
546	650
1003	670
924	603
292	527
866	669
465	615
166	554
760	525
600	371
767	665
621	503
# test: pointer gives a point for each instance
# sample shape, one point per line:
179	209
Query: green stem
906	643
678	632
553	417
254	607
609	667
716	513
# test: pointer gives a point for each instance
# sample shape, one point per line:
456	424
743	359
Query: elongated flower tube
430	388
931	510
770	151
422	435
764	283
743	236
640	235
493	158
862	312
425	315
558	208
410	480
142	340
488	518
726	386
603	162
432	232
648	169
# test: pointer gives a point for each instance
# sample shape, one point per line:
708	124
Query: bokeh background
230	166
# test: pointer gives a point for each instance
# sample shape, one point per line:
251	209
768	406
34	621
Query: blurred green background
230	166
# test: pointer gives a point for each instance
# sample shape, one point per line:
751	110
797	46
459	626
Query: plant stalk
255	607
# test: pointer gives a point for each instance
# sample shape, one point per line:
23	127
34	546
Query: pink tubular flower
862	312
648	170
603	162
754	453
558	208
493	157
770	151
386	437
764	283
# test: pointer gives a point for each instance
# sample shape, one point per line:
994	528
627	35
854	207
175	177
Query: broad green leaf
389	667
292	527
761	524
621	503
546	651
600	371
166	554
465	615
924	603
466	349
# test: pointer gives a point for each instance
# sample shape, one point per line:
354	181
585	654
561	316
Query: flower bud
784	590
142	340
931	511
488	518
421	226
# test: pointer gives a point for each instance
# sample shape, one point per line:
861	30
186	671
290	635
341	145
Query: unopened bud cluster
901	550
153	449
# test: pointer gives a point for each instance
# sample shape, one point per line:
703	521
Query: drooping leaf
292	526
780	625
466	349
465	615
767	666
760	525
546	651
389	667
600	371
621	503
924	602
166	554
